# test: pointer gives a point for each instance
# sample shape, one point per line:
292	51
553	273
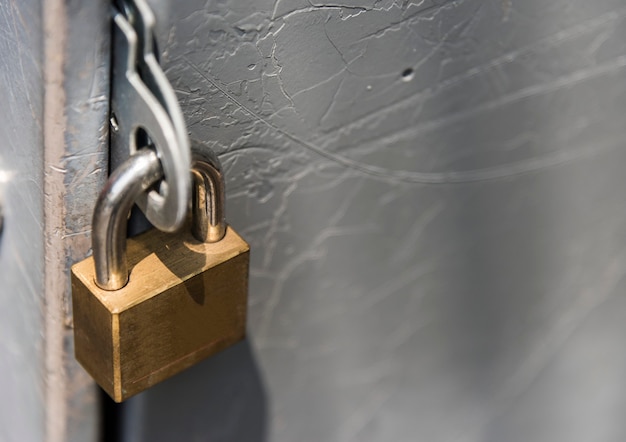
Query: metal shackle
126	184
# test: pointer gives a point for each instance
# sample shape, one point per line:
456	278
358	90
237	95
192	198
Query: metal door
432	195
432	191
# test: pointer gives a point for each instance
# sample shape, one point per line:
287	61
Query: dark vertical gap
111	413
111	419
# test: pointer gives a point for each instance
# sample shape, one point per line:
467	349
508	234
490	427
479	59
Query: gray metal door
432	194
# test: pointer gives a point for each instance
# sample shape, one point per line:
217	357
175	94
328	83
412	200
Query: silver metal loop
131	179
110	215
143	99
207	195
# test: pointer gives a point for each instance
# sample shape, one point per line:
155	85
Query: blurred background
432	195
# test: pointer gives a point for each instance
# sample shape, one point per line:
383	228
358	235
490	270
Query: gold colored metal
185	300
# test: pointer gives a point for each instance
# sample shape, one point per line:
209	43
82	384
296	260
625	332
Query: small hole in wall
407	74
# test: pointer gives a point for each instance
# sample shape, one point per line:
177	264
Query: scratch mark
527	373
392	26
364	413
315	8
58	169
400	282
407	247
315	251
453	118
553	40
70	235
15	11
485	174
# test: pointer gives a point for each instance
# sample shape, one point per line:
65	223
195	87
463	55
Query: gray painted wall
436	256
22	415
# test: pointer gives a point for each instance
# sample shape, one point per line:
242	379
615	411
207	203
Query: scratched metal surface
21	242
48	186
82	169
438	255
22	416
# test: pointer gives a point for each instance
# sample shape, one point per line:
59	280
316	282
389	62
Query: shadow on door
229	404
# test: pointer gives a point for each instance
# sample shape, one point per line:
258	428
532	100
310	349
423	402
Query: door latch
145	112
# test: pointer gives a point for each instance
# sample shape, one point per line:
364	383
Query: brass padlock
185	298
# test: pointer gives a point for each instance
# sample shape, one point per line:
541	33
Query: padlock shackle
110	215
131	179
208	195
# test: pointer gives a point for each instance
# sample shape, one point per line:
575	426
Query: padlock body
184	301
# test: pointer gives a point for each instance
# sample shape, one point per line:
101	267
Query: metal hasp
144	109
126	183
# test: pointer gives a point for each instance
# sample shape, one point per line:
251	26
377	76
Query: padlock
184	299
